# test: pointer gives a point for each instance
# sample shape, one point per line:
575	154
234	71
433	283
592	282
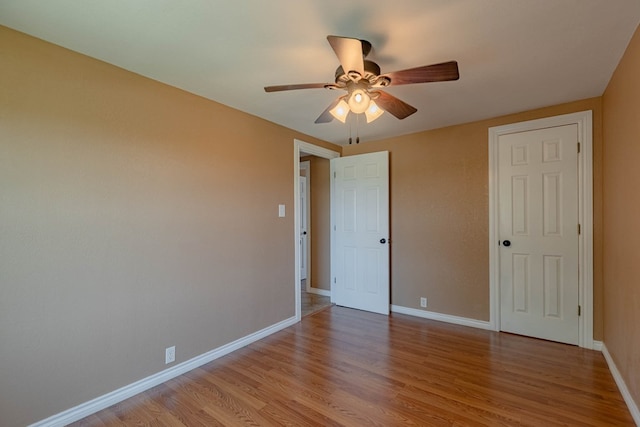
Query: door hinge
578	147
334	175
579	310
579	229
334	280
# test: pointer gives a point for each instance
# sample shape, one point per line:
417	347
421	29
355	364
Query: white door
303	228
538	203
360	262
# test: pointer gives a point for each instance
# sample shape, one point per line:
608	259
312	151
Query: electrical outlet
423	302
170	354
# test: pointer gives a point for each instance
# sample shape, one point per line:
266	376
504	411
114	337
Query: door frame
584	120
300	147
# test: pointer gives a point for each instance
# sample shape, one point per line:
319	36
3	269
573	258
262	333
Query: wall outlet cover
170	354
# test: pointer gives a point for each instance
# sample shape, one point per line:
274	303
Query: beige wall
133	216
320	191
439	213
621	112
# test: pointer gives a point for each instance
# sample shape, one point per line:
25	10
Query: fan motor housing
371	72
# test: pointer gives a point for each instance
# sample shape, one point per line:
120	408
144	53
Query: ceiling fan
361	79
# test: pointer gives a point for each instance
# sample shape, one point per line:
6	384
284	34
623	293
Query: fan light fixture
361	79
359	102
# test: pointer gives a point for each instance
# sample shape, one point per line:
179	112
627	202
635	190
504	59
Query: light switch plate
281	211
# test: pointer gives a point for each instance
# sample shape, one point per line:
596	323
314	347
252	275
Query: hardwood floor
310	302
353	368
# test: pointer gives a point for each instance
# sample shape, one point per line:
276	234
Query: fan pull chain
357	119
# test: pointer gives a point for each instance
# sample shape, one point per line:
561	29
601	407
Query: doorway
304	222
530	291
315	234
302	148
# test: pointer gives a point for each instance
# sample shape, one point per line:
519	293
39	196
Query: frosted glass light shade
340	111
373	112
359	101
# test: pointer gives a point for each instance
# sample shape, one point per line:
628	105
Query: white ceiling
513	55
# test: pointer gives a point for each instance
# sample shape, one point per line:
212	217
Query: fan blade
326	115
295	87
349	53
428	73
394	106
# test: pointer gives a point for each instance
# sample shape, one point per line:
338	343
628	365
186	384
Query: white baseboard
622	386
85	409
317	291
464	321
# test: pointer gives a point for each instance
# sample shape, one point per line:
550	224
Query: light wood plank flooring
310	302
343	367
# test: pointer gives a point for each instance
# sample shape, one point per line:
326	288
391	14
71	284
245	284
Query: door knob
506	243
304	233
383	241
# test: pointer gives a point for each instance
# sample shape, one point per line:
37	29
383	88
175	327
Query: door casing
584	120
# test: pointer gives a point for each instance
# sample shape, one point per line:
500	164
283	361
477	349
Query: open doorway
313	292
315	234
